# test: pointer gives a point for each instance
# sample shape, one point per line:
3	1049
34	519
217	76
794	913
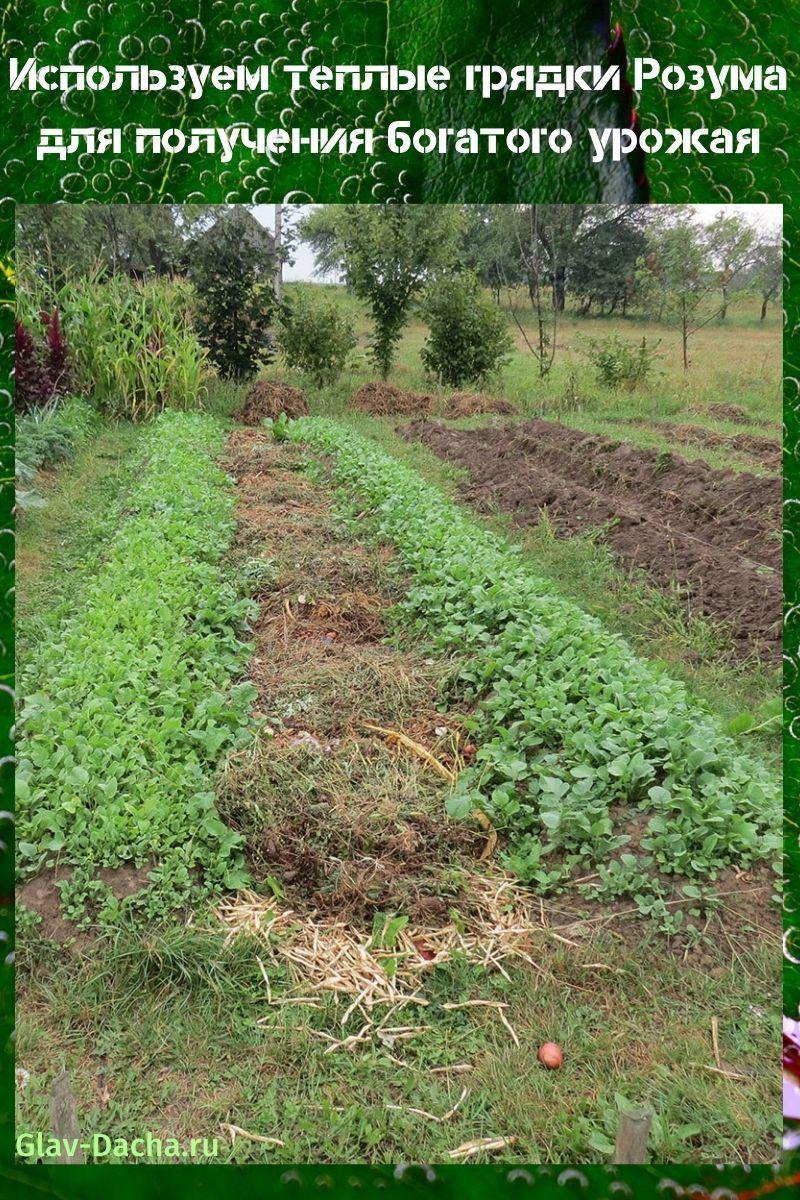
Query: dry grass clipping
329	957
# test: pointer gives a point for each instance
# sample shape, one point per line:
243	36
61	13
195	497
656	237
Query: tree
315	336
387	253
678	271
730	242
768	274
468	338
232	271
602	268
490	247
64	241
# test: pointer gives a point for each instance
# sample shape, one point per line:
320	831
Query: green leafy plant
621	364
468	338
235	299
130	703
49	433
315	337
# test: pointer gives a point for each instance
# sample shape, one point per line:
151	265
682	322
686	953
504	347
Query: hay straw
468	1149
235	1131
327	956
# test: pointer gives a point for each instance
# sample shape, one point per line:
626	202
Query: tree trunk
278	257
723	312
559	288
763	309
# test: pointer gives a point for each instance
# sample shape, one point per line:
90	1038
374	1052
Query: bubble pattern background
374	31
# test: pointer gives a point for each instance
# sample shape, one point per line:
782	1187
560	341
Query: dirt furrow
713	534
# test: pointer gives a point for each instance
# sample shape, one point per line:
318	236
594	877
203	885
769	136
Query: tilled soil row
765	451
713	533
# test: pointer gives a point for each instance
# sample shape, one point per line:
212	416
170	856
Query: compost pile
387	400
268	398
470	404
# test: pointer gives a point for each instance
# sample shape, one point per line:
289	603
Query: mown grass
179	1051
59	543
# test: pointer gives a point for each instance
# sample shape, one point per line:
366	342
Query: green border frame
452	31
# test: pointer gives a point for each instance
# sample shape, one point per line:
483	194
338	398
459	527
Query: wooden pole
64	1117
278	255
632	1134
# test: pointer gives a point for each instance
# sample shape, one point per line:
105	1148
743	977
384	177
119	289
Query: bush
468	338
618	364
235	300
315	337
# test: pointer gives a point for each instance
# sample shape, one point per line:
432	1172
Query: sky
762	216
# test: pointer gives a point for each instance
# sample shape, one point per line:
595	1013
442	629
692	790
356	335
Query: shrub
468	338
618	363
316	337
235	300
46	434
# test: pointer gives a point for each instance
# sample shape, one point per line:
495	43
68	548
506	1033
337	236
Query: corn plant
133	350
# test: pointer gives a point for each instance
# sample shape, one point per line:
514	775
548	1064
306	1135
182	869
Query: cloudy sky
762	216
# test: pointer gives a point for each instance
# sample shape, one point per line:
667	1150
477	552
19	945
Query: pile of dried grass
385	400
268	398
469	404
327	956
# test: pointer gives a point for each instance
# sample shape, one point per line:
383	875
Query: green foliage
129	705
315	336
70	240
468	338
619	363
235	299
579	740
48	434
387	253
132	349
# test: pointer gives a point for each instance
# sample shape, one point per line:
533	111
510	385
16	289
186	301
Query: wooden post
278	243
64	1118
632	1134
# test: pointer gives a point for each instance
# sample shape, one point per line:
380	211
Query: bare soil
42	895
268	398
713	534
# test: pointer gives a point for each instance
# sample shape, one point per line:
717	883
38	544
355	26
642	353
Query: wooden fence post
632	1134
64	1117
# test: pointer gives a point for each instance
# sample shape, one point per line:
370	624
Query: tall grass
133	352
